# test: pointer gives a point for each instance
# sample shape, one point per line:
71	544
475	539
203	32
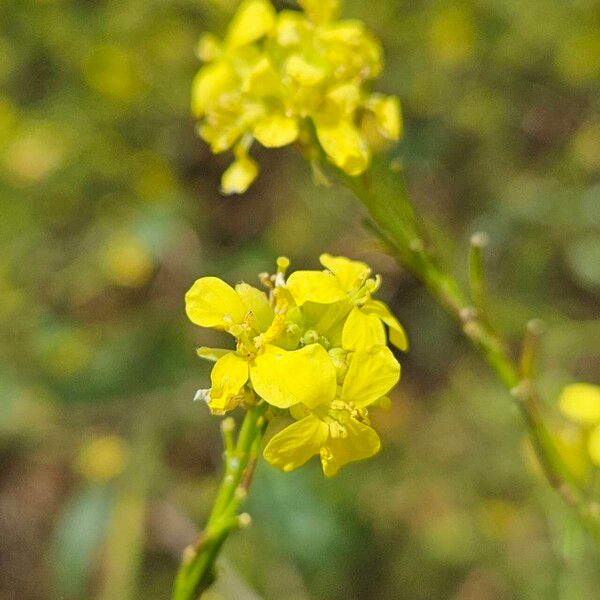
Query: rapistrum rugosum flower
277	77
291	352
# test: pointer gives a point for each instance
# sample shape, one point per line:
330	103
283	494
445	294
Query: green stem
382	191
196	572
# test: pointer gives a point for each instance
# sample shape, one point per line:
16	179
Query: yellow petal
294	445
350	273
344	144
210	302
386	110
210	84
594	446
253	20
345	97
262	79
321	10
284	378
212	354
257	303
276	130
398	336
371	375
209	47
220	138
360	442
239	176
290	27
228	377
314	286
362	331
580	402
303	71
347	31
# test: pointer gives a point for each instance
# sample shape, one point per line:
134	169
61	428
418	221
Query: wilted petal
284	378
362	331
211	302
360	442
297	443
371	375
314	286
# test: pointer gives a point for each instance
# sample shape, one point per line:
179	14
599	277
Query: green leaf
77	536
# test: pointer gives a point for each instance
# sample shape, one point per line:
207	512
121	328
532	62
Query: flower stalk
381	189
197	570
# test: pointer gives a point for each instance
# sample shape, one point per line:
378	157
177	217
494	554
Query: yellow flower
282	377
275	72
349	282
301	350
580	402
339	431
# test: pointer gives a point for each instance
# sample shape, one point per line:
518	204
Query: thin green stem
382	191
477	271
196	572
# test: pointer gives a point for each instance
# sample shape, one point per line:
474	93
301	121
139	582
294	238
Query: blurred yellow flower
103	458
276	77
291	352
580	402
127	261
577	58
452	35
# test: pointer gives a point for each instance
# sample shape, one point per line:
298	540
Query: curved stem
382	191
196	572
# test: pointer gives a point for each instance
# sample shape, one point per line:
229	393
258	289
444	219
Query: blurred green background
109	209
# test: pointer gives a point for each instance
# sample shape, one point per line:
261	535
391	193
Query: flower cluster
276	77
314	347
580	403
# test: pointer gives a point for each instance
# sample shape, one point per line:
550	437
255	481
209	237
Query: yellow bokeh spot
109	71
127	262
586	146
578	58
35	155
68	353
103	458
580	402
452	36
